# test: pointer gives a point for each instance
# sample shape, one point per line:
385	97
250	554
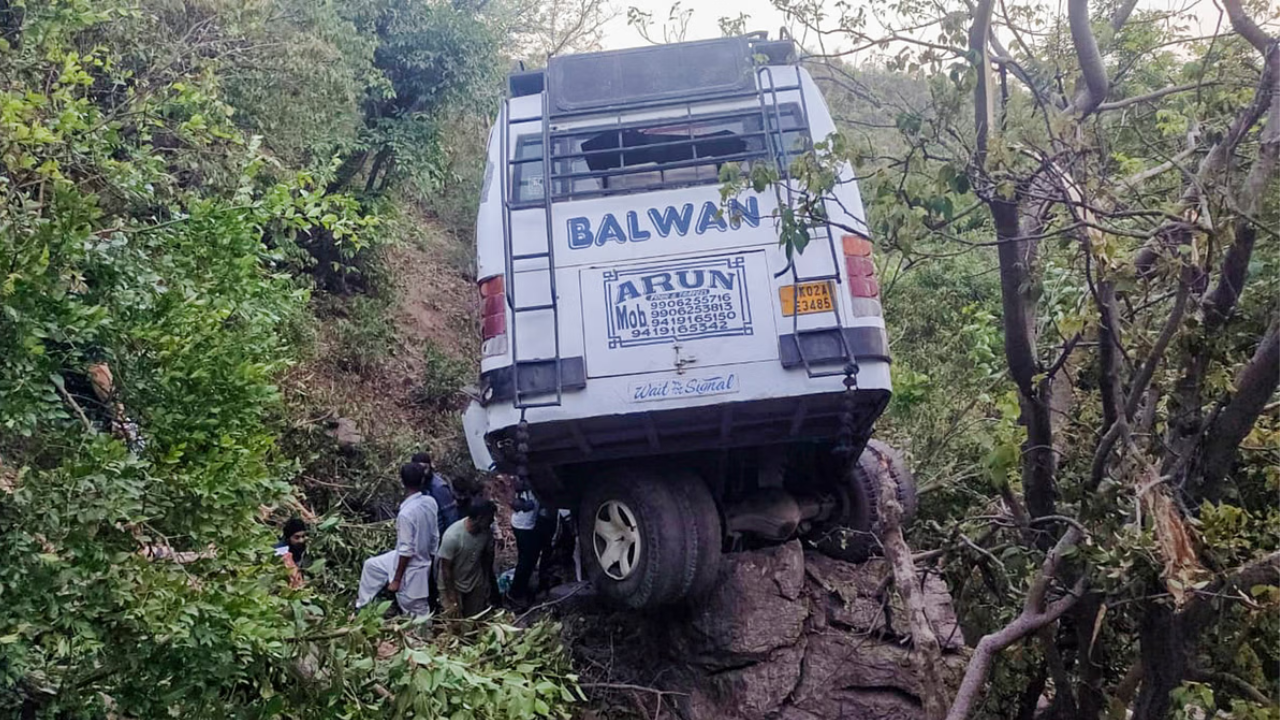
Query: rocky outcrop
795	635
344	432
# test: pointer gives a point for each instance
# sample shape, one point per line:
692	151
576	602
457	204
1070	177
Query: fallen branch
926	650
1036	614
626	686
550	603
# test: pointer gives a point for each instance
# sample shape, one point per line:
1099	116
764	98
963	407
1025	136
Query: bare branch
1148	97
926	650
1138	178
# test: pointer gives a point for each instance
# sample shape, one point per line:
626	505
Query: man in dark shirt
440	490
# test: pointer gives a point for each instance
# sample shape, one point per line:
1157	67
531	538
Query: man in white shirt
406	571
533	526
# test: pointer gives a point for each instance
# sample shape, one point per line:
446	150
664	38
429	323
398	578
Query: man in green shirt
465	561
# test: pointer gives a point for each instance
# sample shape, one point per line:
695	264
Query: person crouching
406	570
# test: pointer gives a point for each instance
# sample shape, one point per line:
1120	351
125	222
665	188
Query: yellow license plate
805	298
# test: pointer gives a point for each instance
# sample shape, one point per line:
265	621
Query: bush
362	334
443	377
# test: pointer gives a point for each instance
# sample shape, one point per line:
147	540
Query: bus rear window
665	154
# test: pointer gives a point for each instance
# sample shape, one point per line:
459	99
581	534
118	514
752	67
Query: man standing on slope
466	561
534	527
440	490
406	571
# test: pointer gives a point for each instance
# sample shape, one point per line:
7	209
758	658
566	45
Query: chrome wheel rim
617	539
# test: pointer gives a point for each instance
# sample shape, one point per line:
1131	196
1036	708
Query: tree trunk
384	153
1035	396
1164	660
1090	699
346	171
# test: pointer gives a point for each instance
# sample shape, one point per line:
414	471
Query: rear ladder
541	260
771	117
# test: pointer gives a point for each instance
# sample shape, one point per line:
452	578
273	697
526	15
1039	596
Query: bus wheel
703	535
852	535
633	539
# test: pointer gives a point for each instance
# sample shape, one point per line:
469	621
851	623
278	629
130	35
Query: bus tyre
853	535
633	541
703	535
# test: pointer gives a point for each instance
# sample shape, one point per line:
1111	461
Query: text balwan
637	227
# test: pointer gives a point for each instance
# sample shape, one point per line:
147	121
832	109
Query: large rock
790	635
855	704
857	599
755	609
786	635
752	692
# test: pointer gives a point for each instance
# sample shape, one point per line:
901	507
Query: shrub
443	377
362	335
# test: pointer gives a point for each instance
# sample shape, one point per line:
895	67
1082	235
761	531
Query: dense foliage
1079	281
1080	271
170	199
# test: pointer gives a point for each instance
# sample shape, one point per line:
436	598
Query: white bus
651	357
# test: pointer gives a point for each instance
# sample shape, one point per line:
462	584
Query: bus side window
527	183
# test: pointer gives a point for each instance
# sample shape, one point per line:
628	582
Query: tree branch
1156	95
1035	615
1122	14
984	93
1255	383
927	651
1246	27
1148	369
1219	156
1235	683
1092	68
1202	608
1235	262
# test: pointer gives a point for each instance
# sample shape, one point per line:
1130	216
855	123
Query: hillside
237	286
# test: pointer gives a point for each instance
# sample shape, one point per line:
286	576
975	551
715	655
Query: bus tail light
861	270
493	316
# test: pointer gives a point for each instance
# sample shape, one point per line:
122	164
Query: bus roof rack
526	82
776	52
616	78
